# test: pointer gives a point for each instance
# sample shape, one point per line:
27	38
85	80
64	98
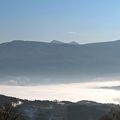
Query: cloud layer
73	92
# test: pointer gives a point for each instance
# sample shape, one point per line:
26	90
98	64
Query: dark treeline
56	110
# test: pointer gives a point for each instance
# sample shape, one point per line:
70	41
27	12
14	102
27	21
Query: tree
114	114
8	112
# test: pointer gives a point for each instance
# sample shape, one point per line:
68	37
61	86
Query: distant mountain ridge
57	63
56	42
73	43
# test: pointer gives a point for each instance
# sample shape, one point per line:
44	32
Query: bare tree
8	112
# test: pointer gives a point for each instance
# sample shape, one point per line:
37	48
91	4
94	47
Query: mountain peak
73	43
56	42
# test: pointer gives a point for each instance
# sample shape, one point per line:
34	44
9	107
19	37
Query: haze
69	92
32	67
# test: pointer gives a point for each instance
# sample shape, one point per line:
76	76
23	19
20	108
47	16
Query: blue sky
83	21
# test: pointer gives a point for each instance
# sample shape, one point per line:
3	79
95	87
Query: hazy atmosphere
103	92
59	60
59	27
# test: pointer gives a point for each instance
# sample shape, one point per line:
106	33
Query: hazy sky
65	20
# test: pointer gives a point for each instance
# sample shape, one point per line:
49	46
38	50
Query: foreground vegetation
8	112
114	114
55	110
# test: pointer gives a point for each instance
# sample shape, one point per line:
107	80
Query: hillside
48	110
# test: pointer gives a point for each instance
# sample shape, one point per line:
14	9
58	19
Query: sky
83	21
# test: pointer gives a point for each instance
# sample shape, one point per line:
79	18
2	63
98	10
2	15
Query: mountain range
57	62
